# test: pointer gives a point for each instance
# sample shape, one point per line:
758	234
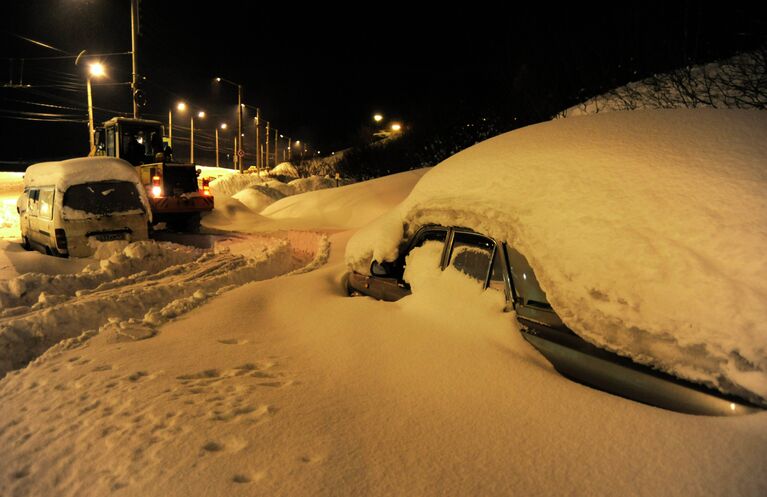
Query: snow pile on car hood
646	231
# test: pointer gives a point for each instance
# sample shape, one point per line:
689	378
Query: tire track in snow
133	306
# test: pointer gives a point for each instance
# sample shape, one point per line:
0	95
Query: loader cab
137	141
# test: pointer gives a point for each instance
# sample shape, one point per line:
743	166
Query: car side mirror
379	269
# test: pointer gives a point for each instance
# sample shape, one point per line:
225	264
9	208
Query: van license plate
108	237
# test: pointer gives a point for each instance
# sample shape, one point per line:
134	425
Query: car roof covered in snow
63	174
646	230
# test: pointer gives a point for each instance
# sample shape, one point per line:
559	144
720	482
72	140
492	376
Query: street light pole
276	146
240	154
266	155
170	129
258	140
223	126
94	70
191	141
201	115
134	55
234	154
91	131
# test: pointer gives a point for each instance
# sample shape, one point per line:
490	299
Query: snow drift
645	229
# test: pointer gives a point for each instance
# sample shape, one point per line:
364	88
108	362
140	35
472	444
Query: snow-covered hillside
737	83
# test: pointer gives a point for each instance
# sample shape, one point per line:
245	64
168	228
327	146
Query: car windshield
103	198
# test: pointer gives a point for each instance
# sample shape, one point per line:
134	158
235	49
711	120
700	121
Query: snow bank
228	185
348	206
312	183
284	169
281	187
257	197
215	172
136	289
645	229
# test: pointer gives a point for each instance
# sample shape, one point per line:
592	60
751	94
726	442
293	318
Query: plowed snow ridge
134	291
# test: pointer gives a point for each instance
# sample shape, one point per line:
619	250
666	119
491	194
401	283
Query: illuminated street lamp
240	106
302	148
223	126
95	70
201	114
181	106
378	118
257	126
396	127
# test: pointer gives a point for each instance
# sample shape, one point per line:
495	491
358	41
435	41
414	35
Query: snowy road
137	288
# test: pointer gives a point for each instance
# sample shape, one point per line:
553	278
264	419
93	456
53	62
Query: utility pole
240	154
234	155
191	145
290	146
217	147
258	140
266	155
134	55
276	146
170	128
92	150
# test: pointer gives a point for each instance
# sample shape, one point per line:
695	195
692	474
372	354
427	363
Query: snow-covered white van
68	204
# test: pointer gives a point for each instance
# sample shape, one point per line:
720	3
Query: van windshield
104	197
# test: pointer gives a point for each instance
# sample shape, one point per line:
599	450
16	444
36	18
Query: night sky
318	74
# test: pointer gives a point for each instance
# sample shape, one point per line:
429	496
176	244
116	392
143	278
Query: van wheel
25	243
55	253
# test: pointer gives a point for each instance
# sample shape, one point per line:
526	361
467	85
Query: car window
471	254
33	204
46	203
104	197
496	274
526	288
436	235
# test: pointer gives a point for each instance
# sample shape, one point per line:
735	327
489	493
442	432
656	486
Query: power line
40	104
66	86
34	42
36	114
45	119
64	57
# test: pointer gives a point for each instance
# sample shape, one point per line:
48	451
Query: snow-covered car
627	244
68	204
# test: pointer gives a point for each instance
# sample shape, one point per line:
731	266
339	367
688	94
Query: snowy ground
214	378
